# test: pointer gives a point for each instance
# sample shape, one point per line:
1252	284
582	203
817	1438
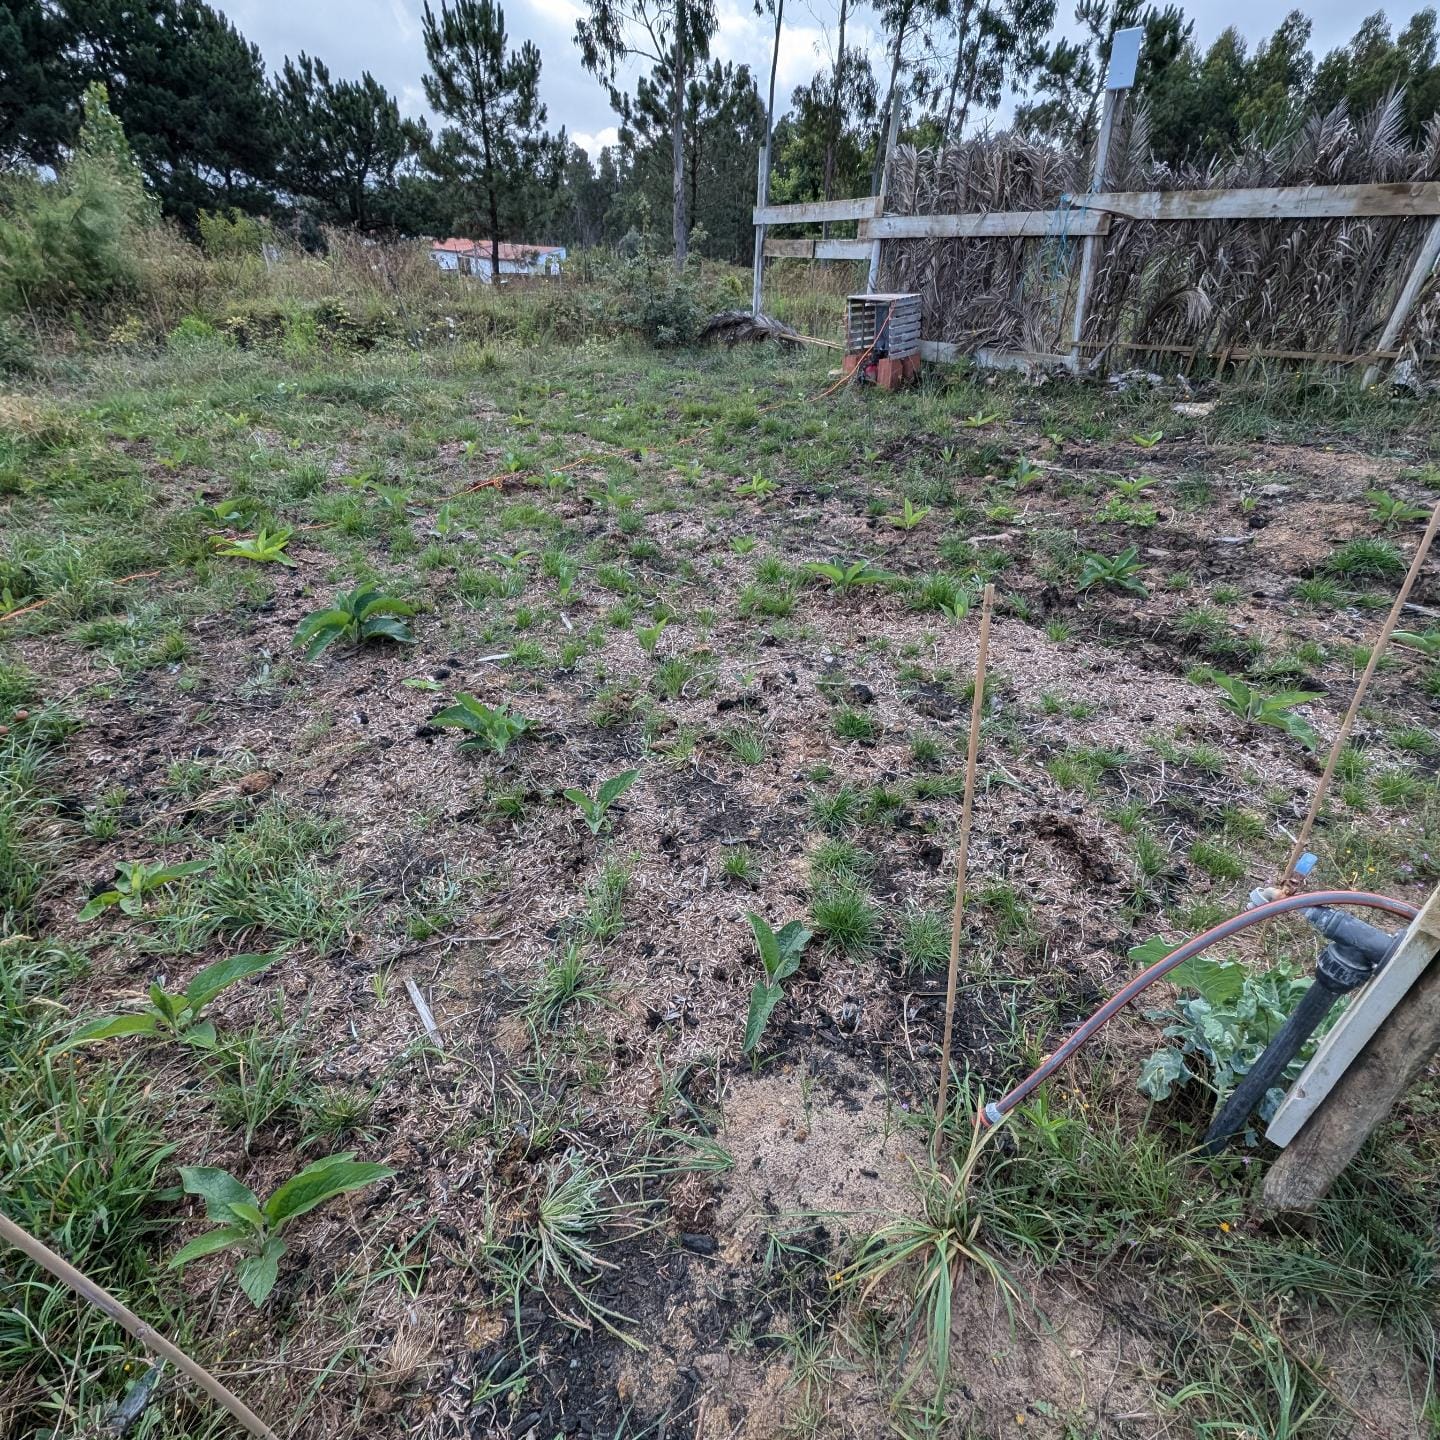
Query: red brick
890	374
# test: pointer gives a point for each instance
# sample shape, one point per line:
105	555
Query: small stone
699	1244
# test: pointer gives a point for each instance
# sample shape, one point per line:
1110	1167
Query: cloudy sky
383	36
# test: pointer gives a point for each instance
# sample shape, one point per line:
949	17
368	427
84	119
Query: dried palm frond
1208	288
734	327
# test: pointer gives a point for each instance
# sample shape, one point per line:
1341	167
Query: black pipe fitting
1368	941
1355	952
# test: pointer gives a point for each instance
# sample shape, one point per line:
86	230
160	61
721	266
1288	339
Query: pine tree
491	97
191	93
673	33
341	140
997	43
724	129
37	83
1071	74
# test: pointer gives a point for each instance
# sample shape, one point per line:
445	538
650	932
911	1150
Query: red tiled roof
481	248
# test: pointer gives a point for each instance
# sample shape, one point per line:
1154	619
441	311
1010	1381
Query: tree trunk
972	73
492	197
677	139
833	138
961	26
880	146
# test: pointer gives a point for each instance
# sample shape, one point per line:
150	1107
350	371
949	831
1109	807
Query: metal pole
892	134
1087	253
762	186
1124	57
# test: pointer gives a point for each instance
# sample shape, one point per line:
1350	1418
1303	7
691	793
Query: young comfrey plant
909	516
265	546
486	727
780	953
1276	710
356	616
594	811
844	576
134	880
243	1222
1121	572
177	1015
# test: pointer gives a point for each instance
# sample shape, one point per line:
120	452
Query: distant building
472	257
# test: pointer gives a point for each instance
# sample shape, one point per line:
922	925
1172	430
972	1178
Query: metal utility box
882	338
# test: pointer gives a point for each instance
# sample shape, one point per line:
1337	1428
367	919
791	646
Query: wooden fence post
1405	301
1387	1036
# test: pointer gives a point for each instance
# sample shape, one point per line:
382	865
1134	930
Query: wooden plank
1030	224
842	249
816	249
789	249
816	210
1387	1065
1366	1012
1286	202
1405	301
945	353
1246	352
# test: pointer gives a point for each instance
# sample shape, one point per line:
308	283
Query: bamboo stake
962	855
1343	734
103	1300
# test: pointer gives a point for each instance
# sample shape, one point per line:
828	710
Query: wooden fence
1332	274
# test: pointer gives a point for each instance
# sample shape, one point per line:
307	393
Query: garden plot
599	656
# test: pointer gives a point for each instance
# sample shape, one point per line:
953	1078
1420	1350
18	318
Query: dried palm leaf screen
882	338
1214	288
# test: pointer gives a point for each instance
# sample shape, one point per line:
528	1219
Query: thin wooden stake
1343	734
156	1343
962	856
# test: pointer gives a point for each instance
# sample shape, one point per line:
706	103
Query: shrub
71	240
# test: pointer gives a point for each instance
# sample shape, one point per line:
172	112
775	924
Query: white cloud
593	144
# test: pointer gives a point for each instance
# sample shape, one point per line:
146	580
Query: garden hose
996	1110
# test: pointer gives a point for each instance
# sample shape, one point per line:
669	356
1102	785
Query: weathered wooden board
776	249
817	249
1363	1016
1285	202
1034	224
1082	212
814	211
1409	294
1388	1063
943	352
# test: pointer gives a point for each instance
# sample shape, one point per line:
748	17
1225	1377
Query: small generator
882	338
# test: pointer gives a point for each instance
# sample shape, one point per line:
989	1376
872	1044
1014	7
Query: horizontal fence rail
1080	216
